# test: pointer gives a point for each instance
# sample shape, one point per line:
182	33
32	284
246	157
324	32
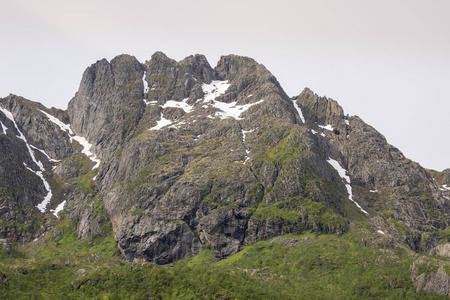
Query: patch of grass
63	241
321	267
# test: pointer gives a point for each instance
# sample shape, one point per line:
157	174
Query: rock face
186	156
400	196
216	179
26	139
430	274
108	103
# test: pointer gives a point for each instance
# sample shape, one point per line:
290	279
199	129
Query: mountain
178	160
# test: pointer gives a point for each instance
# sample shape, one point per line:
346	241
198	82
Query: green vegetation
313	267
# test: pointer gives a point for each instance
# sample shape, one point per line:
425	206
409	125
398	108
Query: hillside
211	171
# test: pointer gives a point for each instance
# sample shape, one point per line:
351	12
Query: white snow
249	95
145	83
150	102
246	158
343	174
177	125
180	104
446	187
381	232
22	137
59	208
313	131
347	122
217	88
299	111
83	141
171	103
87	150
373	191
232	110
161	123
41	206
45	153
322	134
244	134
328	127
214	89
4	128
63	126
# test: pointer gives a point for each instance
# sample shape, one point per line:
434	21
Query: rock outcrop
400	196
430	274
179	156
214	173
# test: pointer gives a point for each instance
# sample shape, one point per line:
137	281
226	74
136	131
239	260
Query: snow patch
328	127
59	208
313	131
83	141
145	83
232	110
161	123
381	232
87	150
177	125
4	128
63	126
347	122
343	174
41	206
446	187
322	134
299	111
217	88
214	89
150	102
45	153
373	191
244	134
179	104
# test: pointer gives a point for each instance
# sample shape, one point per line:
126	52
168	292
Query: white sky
386	61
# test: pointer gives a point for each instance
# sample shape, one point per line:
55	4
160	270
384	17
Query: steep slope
219	158
42	167
27	188
177	157
402	199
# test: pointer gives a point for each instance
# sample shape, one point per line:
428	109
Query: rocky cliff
177	157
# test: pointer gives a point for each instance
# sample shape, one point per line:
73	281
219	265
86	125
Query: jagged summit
179	156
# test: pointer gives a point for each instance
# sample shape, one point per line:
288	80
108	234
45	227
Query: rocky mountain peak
179	156
321	110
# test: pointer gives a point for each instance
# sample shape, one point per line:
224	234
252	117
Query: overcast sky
385	61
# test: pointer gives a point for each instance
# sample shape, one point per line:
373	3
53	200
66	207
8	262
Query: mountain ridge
178	157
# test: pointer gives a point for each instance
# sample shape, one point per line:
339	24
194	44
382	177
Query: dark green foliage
323	267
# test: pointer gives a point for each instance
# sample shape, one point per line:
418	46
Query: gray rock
80	272
441	250
429	275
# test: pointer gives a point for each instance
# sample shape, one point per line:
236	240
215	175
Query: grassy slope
320	267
